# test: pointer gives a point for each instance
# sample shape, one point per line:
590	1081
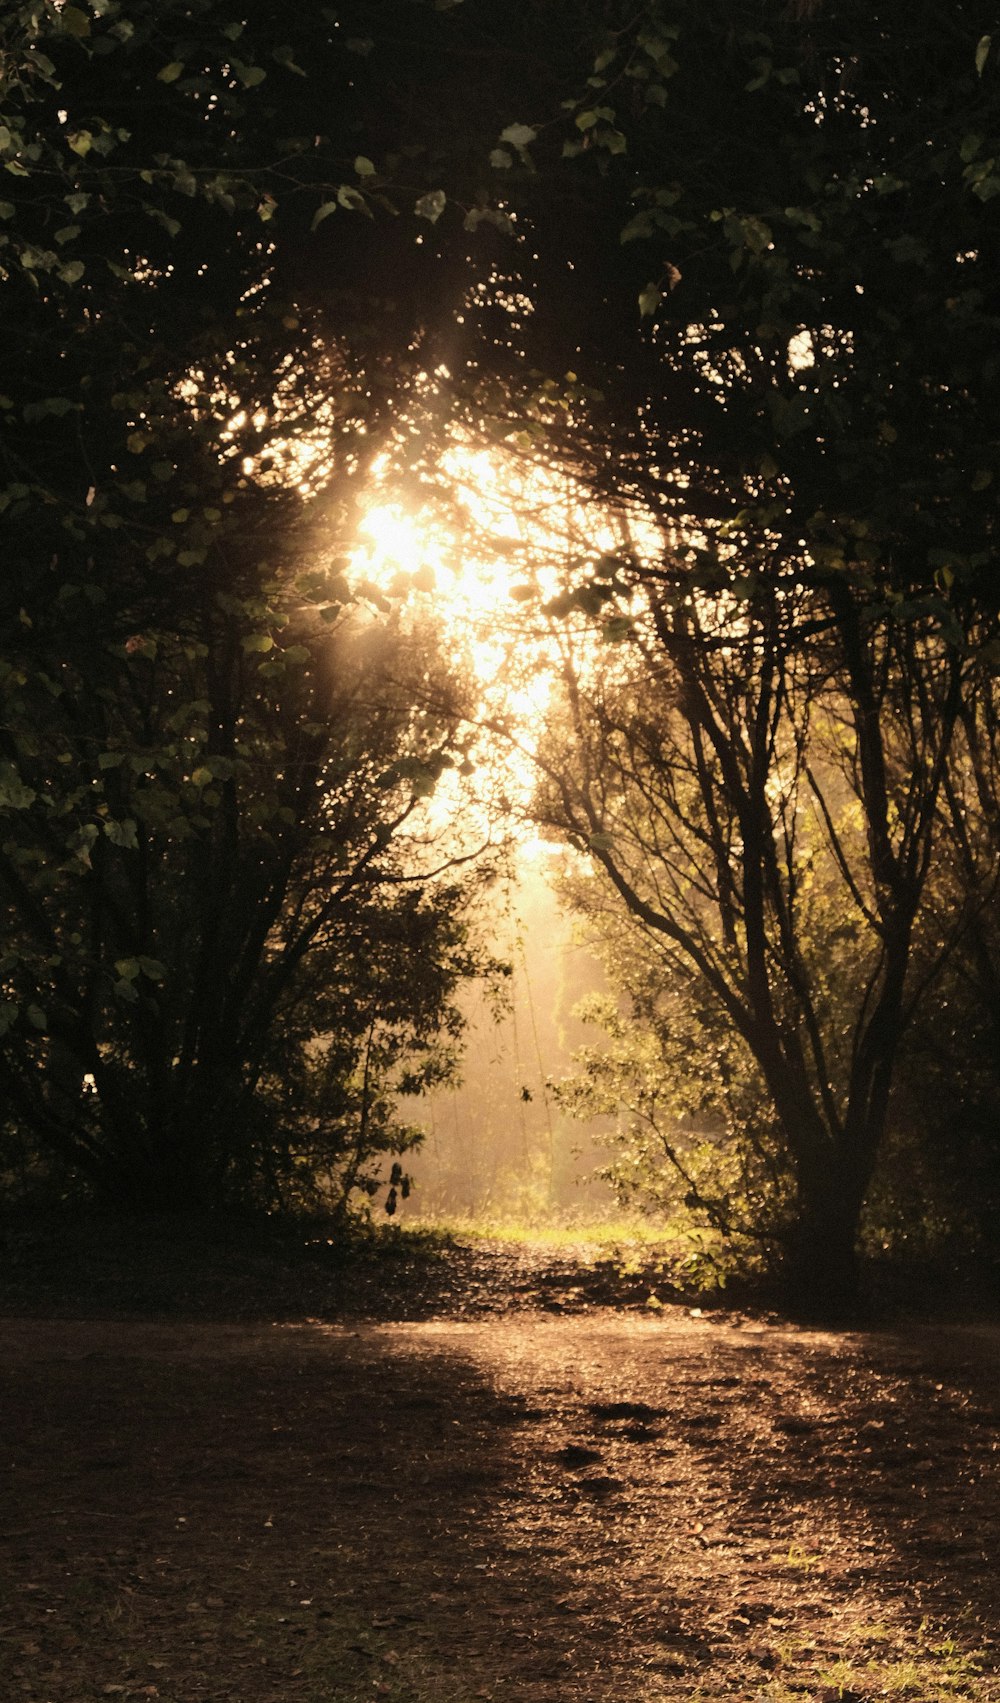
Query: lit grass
879	1665
569	1233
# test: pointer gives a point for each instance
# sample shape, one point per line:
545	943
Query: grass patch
604	1236
879	1665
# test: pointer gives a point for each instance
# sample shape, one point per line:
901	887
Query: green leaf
286	56
323	212
982	53
74	22
431	205
66	233
364	166
499	157
202	777
152	969
36	1017
351	198
7	209
122	834
519	135
171	72
649	300
249	75
258	643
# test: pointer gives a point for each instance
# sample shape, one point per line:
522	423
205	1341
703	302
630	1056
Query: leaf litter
495	1501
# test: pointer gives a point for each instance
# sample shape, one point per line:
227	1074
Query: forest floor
479	1473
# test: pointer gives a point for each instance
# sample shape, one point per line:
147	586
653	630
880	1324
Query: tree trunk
823	1267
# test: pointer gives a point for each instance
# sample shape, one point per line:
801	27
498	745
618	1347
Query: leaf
499	157
351	198
66	233
249	75
36	1017
519	135
258	643
72	272
364	166
323	212
286	56
649	300
171	72
122	834
982	53
74	22
431	205
202	777
477	216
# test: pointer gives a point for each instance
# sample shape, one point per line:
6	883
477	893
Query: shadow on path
572	1508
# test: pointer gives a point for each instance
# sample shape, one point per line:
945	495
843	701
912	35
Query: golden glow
482	551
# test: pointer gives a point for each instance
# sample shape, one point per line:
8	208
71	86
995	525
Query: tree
213	772
752	777
780	219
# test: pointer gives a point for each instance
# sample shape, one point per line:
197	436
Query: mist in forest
497	1144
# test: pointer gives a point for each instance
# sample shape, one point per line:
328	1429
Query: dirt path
531	1506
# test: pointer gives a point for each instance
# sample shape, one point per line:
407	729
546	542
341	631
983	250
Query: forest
683	320
499	851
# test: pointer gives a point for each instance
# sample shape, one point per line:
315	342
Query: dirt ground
520	1491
